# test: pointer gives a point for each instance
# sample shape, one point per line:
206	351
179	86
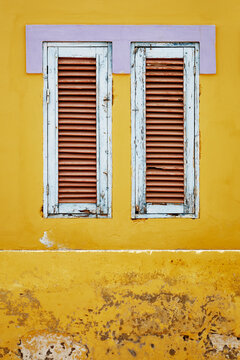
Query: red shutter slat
164	131
77	130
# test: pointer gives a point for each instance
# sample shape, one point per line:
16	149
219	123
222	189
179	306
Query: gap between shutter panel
164	131
77	160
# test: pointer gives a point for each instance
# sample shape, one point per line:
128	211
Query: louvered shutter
78	130
77	158
164	130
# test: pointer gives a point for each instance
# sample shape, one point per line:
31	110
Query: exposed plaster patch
45	241
219	342
47	345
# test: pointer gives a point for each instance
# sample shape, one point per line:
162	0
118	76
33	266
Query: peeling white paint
45	241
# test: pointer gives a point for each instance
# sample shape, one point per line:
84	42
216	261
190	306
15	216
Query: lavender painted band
121	36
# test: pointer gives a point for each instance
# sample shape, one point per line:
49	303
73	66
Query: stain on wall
162	305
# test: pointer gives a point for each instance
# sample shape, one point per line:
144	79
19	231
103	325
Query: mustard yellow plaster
21	222
159	305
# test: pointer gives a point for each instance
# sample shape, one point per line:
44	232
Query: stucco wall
166	305
160	305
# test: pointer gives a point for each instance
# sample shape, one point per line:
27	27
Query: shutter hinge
45	73
137	209
47	189
194	69
47	96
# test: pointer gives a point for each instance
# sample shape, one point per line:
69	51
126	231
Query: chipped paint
46	345
223	342
45	240
167	305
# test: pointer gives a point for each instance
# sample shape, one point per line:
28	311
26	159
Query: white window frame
102	51
190	53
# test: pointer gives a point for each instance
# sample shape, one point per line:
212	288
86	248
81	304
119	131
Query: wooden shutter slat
80	157
164	142
81	151
163	127
164	178
77	61
77	130
75	127
164	61
156	162
163	122
164	201
77	110
88	104
80	73
164	183
151	110
164	73
163	67
77	162
78	92
150	85
76	191
78	201
164	80
76	67
76	79
80	180
164	98
77	98
76	87
77	168
164	131
76	121
164	104
164	116
164	138
73	185
78	133
163	92
75	196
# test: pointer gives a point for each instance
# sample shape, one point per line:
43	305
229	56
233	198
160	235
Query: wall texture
160	305
168	305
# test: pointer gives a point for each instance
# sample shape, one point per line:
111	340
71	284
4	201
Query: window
77	129
164	111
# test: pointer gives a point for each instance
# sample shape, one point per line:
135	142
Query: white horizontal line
124	251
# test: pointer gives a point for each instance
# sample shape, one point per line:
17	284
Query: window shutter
164	131
164	87
77	130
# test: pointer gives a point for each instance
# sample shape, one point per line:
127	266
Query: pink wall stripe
121	36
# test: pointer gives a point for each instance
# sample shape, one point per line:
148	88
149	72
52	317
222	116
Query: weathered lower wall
119	305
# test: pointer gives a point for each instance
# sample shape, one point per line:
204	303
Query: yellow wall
160	305
21	185
122	306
